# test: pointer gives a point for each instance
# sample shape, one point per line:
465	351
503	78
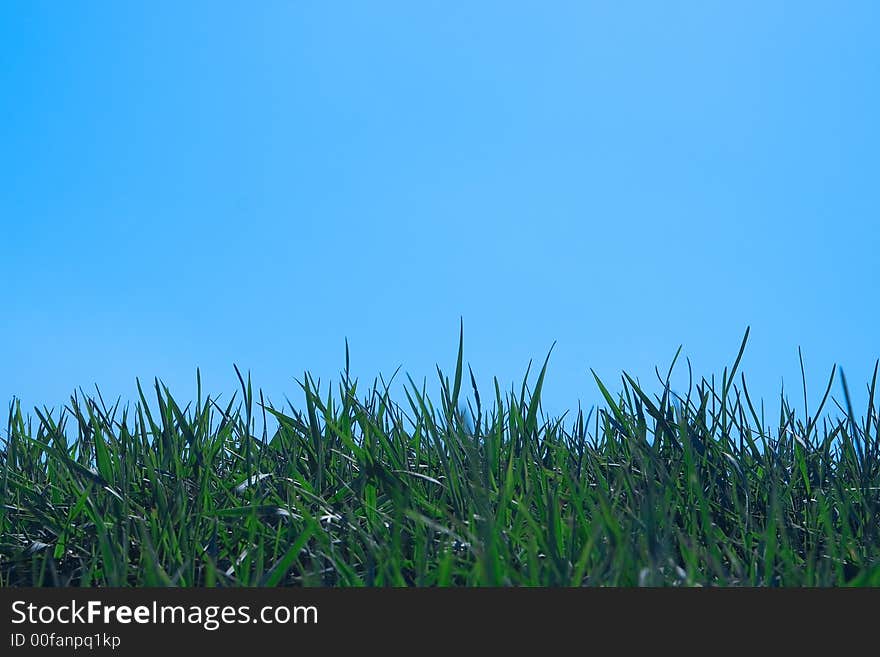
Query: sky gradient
200	184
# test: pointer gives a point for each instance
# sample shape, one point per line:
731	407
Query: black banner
131	621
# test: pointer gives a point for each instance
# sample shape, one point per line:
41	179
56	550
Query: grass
362	490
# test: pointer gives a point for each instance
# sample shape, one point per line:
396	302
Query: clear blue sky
194	184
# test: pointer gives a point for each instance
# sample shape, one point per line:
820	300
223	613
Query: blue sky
201	184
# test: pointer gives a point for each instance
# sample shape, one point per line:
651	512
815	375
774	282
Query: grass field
358	489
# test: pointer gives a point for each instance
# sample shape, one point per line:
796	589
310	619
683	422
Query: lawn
355	488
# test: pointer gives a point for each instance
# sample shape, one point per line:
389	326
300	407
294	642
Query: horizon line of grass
693	489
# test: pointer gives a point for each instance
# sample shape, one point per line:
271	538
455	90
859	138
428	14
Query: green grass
359	489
